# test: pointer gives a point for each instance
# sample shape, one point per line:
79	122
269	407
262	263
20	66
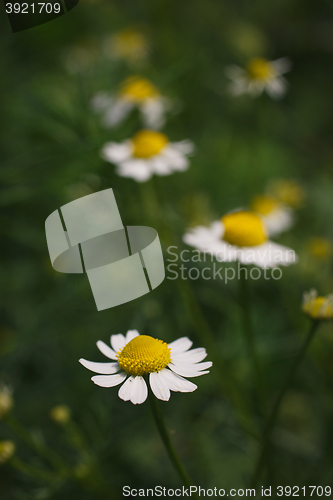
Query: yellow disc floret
243	229
135	88
144	354
128	44
7	450
264	204
321	248
260	69
317	307
147	143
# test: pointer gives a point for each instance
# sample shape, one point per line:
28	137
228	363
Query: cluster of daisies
149	151
138	362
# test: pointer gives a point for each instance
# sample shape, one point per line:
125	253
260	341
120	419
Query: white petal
105	368
282	65
118	342
131	334
177	383
190	370
233	71
180	345
159	386
115	152
106	350
109	380
203	238
276	88
193	356
186	147
139	170
134	390
176	159
278	220
267	255
117	112
101	101
153	113
160	165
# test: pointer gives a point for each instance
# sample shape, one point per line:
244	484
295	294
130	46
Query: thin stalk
225	379
37	474
167	442
245	299
151	194
43	450
270	425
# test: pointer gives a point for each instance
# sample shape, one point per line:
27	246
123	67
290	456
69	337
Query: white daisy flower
137	355
135	92
277	217
148	152
260	75
317	307
240	236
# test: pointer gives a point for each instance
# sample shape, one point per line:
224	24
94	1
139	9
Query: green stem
37	445
248	328
167	442
225	378
270	425
37	474
151	194
150	202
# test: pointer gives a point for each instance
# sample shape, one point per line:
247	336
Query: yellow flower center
144	354
243	229
263	204
260	69
319	308
7	450
138	89
321	248
148	143
60	414
6	402
129	44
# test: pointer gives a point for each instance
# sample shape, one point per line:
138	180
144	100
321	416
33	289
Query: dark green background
50	142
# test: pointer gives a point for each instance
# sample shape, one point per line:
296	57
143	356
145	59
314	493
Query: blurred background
74	440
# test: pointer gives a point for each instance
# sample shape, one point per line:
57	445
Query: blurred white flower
240	236
258	76
148	152
135	92
277	217
317	307
137	355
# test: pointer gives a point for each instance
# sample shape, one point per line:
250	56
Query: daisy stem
38	474
245	297
167	442
270	424
37	445
150	201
